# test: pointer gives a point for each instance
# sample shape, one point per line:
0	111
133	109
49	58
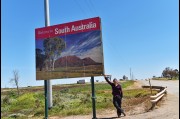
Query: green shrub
65	90
12	94
6	100
69	101
39	112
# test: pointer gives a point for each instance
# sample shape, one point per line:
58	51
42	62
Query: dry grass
74	100
70	72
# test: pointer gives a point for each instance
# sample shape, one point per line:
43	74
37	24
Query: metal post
46	9
49	89
47	84
47	23
46	101
93	98
150	86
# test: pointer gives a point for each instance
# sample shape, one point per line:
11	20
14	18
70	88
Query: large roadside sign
69	50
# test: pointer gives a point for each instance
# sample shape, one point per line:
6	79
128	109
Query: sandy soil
168	109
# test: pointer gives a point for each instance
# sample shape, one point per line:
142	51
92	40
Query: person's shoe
124	114
119	116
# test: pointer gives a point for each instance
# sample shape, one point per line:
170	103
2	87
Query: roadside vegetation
162	78
168	74
73	99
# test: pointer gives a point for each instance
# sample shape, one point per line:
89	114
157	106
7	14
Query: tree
53	48
15	80
170	73
40	59
124	77
176	73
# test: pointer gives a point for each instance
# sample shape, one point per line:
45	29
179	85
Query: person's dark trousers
117	104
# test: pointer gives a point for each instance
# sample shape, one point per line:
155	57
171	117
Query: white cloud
96	54
89	48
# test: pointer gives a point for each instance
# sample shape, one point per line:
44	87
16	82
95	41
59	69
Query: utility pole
132	76
47	23
130	73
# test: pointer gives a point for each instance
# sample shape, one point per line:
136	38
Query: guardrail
154	87
155	98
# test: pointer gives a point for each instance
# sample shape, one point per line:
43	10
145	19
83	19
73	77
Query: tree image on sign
52	48
40	58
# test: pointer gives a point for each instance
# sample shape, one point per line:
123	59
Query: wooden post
150	86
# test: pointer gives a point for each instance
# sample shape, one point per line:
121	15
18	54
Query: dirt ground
168	108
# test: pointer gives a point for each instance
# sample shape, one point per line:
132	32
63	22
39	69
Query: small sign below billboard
69	50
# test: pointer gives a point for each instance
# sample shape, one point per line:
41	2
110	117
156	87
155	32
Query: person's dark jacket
116	90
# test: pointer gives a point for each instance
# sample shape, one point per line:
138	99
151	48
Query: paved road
172	86
170	108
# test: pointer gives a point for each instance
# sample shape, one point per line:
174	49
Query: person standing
117	95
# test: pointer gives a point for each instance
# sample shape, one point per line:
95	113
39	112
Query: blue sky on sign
86	44
82	45
139	34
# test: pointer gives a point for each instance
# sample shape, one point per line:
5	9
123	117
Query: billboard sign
69	50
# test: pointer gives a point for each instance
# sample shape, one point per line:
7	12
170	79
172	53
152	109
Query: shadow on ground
109	118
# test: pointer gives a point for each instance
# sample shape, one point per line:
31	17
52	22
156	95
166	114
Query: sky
82	45
141	35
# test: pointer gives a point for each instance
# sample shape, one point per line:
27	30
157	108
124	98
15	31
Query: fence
155	98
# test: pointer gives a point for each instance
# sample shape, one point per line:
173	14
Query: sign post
93	98
46	101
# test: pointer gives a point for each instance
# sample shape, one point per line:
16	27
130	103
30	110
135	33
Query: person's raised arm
106	78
